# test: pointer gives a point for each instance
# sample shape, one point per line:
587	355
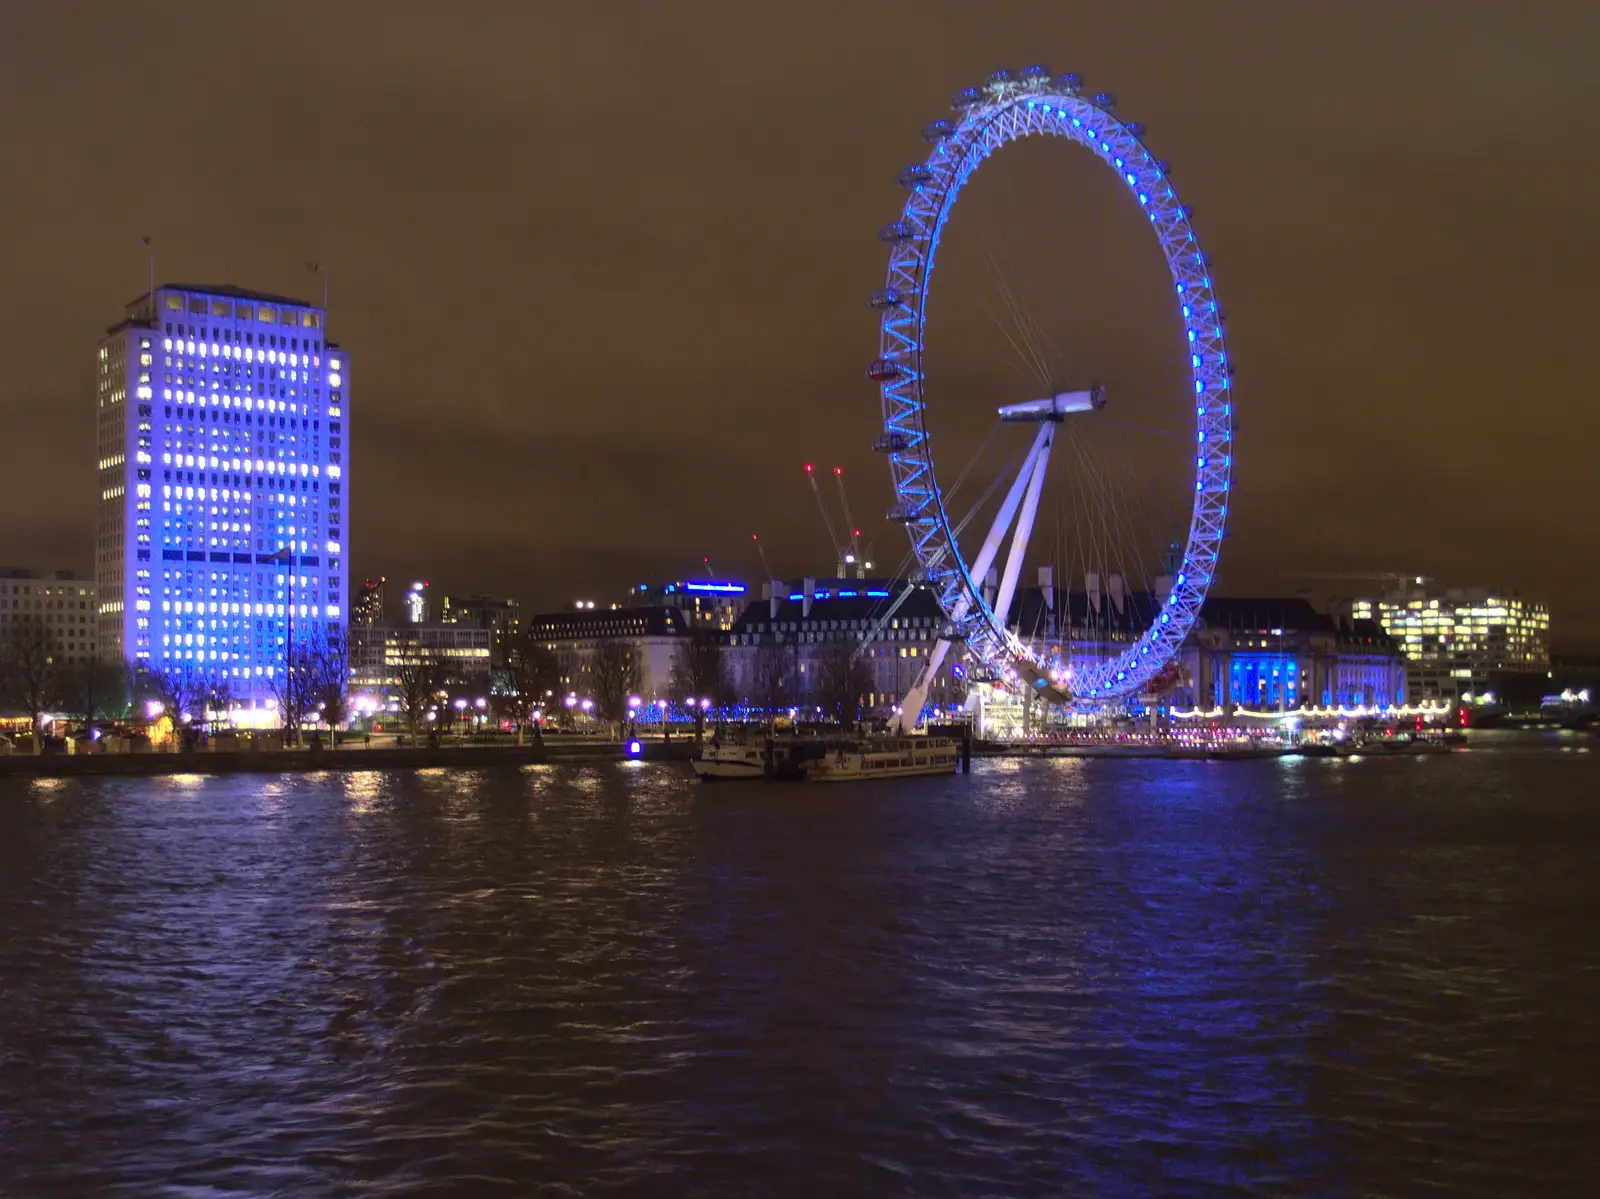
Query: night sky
601	268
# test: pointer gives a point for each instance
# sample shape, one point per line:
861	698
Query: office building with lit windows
366	609
417	603
1459	641
60	602
222	425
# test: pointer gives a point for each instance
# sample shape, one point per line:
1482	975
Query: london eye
1152	563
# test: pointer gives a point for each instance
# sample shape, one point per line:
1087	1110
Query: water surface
1071	977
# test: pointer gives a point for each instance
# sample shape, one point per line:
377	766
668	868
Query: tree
462	687
698	673
417	676
290	684
180	689
614	677
216	699
842	682
774	674
531	677
328	682
29	674
94	689
315	677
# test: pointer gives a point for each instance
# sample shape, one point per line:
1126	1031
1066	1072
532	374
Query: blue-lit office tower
224	473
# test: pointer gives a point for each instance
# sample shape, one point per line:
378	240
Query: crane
839	547
766	568
853	558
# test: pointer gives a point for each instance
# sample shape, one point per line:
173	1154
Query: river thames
1297	977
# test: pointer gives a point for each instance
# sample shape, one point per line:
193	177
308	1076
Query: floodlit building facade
891	624
1258	655
223	426
651	634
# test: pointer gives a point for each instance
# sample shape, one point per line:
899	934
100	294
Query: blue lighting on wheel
990	119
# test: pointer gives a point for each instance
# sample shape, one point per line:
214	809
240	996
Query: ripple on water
1053	977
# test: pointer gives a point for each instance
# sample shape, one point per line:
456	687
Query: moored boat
717	762
884	758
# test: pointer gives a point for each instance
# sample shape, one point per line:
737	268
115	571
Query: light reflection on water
1054	977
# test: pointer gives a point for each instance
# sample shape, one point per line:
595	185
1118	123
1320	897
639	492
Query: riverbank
398	757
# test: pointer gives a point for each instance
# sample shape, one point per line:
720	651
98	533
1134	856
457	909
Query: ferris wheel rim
1006	110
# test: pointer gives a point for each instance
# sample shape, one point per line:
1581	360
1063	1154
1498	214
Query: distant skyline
605	275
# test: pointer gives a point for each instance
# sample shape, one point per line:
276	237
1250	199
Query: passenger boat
883	758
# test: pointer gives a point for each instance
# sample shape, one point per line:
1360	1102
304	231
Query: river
1100	978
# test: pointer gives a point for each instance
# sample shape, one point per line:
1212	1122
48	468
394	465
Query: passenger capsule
917	176
999	78
937	131
1036	74
1071	83
883	371
967	97
896	233
887	298
1134	128
891	442
1105	101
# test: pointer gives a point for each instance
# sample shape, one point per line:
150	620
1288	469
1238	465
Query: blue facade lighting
720	588
232	547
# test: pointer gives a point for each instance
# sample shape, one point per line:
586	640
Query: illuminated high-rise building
417	603
366	609
223	424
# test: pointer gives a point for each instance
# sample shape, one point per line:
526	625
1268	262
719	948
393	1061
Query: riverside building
223	423
61	601
1461	641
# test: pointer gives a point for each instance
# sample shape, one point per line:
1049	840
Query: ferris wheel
1007	108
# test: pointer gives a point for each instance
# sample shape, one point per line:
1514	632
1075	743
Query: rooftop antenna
150	265
321	269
